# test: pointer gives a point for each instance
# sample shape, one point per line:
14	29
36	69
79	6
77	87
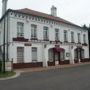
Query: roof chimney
4	6
54	11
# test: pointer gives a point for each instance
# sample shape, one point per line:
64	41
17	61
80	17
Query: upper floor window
56	34
34	54
45	33
33	31
72	36
65	35
79	38
84	38
20	29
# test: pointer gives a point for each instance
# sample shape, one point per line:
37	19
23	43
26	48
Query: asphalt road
72	78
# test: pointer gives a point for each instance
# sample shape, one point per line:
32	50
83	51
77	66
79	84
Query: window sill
46	39
21	39
65	41
85	44
34	39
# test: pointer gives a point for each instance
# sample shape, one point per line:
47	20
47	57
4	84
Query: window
78	37
72	36
56	34
84	38
34	54
34	31
62	55
20	54
45	33
20	29
65	36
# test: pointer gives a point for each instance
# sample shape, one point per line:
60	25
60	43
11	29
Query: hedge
0	65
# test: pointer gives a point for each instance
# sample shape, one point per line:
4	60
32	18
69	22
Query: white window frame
57	34
20	29
20	55
33	31
65	35
72	36
45	33
79	38
84	38
34	54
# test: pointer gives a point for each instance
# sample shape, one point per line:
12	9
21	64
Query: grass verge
7	74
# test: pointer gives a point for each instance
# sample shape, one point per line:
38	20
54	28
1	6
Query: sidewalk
51	67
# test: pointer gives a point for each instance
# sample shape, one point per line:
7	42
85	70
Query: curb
12	77
48	68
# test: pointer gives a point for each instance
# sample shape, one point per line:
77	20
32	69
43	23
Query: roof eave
10	10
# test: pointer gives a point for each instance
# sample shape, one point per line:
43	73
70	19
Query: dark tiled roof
29	11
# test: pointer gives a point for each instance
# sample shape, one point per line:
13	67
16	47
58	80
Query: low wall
85	60
27	65
51	63
8	66
82	60
64	62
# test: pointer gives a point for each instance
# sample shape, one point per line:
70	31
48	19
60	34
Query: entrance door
57	57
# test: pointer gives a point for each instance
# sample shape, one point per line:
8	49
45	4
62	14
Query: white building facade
35	39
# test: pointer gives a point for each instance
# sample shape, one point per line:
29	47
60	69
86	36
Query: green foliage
86	27
7	74
0	65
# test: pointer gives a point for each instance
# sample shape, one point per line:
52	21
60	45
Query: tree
88	28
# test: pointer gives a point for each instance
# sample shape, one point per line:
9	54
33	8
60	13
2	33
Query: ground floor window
51	54
20	54
79	53
34	54
62	55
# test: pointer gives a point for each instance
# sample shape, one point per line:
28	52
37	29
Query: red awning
58	49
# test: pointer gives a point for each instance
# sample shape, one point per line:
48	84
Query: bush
0	65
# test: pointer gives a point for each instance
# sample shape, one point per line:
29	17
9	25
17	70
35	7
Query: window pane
65	35
20	54
79	38
20	29
34	54
84	38
33	31
45	33
72	36
56	34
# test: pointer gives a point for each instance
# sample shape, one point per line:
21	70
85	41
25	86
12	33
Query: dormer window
20	29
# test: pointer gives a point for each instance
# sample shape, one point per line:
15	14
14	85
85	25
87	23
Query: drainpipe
7	37
4	47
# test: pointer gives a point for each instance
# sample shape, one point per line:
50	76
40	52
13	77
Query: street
71	78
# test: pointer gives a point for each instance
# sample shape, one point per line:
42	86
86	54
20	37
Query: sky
75	11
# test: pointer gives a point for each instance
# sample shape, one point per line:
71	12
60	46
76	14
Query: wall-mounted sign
28	44
57	46
67	54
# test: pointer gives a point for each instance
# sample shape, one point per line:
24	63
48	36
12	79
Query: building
36	39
